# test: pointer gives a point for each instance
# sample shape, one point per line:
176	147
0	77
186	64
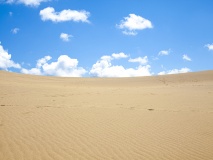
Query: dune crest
149	118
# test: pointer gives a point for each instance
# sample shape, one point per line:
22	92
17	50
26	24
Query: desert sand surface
146	118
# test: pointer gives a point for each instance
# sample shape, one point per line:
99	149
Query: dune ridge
149	118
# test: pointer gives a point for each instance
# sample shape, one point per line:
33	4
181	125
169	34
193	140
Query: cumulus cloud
209	46
104	68
35	71
175	71
43	61
141	60
132	23
64	67
164	52
34	3
187	58
65	37
15	30
5	60
49	13
119	55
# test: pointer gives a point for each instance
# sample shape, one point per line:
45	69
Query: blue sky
114	38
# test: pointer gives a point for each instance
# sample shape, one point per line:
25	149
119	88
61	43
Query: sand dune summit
148	118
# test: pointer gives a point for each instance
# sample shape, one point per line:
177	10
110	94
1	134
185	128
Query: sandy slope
148	118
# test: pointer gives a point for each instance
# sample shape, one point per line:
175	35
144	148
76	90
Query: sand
146	118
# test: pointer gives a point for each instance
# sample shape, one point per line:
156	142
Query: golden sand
148	118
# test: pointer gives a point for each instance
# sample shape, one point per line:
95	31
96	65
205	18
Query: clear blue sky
113	38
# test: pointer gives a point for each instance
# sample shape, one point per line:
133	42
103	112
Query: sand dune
148	118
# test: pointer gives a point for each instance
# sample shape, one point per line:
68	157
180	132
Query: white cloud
65	15
187	58
132	23
65	37
162	73
130	33
175	71
15	30
106	58
35	71
119	55
5	60
38	69
209	46
104	68
34	3
164	52
43	61
140	60
64	67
